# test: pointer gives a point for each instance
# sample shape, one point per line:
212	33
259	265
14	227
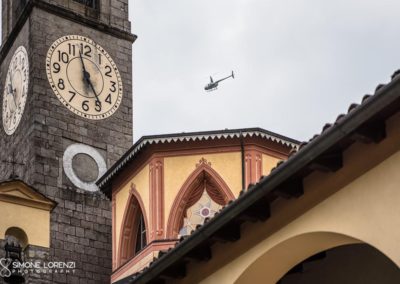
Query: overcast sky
298	63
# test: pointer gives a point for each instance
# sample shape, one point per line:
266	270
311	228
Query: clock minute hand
86	76
94	92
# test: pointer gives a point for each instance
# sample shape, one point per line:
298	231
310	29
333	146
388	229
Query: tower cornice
64	13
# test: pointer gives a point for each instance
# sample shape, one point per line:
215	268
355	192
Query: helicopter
213	85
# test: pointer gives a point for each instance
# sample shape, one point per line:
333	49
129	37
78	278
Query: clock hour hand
86	77
12	91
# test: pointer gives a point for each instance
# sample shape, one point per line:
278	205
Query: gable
18	192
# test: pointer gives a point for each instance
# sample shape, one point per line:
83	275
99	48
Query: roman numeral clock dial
15	90
84	77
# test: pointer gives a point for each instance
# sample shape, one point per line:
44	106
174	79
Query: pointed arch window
206	198
195	215
141	240
133	237
200	197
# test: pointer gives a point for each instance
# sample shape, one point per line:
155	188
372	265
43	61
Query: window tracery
204	208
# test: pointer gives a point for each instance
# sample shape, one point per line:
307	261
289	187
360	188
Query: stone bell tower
60	152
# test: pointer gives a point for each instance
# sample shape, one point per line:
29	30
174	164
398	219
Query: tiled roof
363	122
192	136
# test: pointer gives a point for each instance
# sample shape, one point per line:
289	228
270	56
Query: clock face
84	77
15	90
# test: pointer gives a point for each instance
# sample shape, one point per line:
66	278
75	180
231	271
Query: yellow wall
14	215
268	162
359	203
353	211
178	169
141	180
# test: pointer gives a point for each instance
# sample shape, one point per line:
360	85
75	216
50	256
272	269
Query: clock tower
67	117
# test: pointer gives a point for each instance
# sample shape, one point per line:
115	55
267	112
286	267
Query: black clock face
84	77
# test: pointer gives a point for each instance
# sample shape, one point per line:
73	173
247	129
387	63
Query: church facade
166	186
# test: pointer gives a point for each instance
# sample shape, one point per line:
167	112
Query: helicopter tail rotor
233	75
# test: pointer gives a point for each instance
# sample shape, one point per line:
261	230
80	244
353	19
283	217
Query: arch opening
285	262
353	263
134	232
17	234
203	193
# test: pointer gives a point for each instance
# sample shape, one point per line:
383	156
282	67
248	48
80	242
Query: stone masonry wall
32	254
113	13
81	221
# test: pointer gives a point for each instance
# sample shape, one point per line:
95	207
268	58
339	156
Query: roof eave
383	99
104	182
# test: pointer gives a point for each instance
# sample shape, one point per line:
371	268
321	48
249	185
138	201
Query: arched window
17	234
134	228
140	234
201	196
204	207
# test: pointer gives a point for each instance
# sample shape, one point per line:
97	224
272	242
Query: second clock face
84	77
15	90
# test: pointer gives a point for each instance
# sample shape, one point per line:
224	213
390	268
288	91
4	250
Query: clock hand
94	92
10	86
11	90
12	96
15	104
86	76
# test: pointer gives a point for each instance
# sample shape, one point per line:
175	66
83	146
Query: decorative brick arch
190	193
127	238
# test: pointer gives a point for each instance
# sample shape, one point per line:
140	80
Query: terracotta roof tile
395	74
339	118
366	97
326	127
380	86
352	107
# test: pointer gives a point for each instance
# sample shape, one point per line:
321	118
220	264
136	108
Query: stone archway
191	191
